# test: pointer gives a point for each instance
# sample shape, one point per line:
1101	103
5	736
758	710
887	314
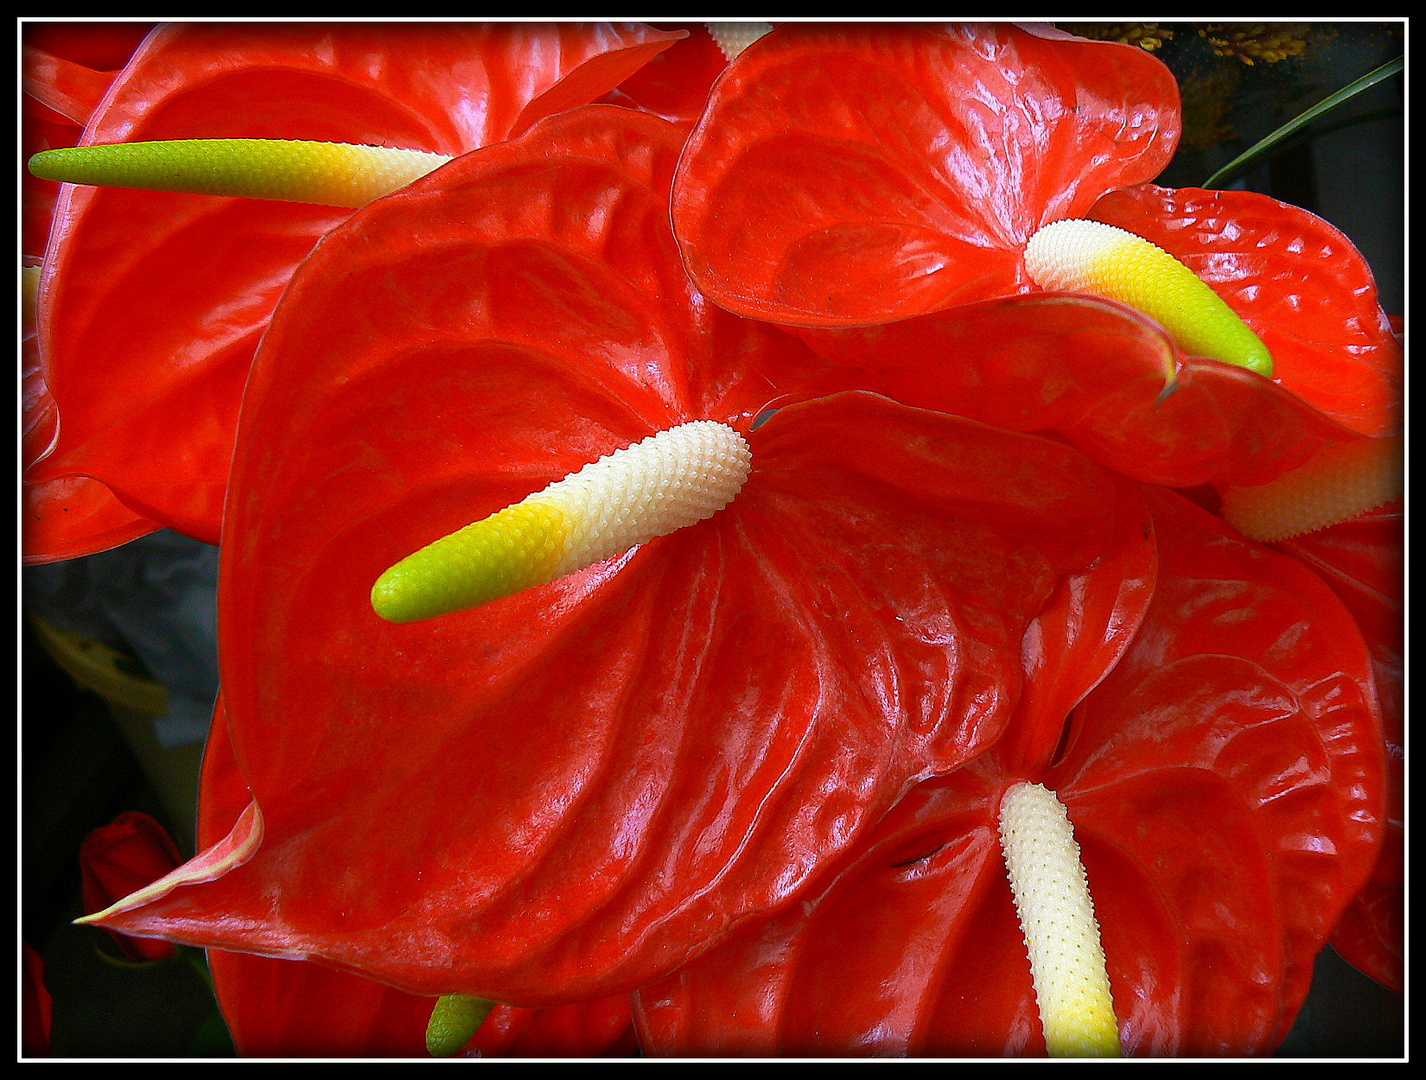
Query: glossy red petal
1224	782
586	783
600	1028
1363	561
72	517
170	293
1096	373
61	517
99	46
675	83
288	1008
852	174
59	89
294	1009
1295	279
1259	678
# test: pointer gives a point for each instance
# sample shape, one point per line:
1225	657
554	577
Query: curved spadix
1101	260
670	480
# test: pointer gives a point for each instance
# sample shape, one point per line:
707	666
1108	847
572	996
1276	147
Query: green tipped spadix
1339	482
293	170
454	1022
670	480
1108	262
1067	964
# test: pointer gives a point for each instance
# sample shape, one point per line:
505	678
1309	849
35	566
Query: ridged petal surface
566	792
153	303
1225	783
846	174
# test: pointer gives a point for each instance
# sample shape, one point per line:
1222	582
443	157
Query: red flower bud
116	859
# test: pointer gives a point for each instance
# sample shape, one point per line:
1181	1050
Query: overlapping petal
860	175
68	68
675	83
1295	279
579	787
288	1008
1363	561
1100	375
68	516
152	303
849	174
1225	784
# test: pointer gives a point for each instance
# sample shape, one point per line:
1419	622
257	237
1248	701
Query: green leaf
1252	156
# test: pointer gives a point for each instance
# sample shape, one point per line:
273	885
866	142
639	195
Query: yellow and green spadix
1108	262
330	174
675	478
1336	484
1056	914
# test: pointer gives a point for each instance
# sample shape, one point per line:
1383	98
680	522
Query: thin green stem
1253	155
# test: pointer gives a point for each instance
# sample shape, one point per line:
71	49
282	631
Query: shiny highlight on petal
670	480
293	170
1338	483
1106	261
454	1022
1057	917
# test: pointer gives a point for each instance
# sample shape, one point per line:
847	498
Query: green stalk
1255	153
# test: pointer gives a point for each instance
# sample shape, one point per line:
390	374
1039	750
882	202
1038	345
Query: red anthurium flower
67	70
861	174
126	855
876	171
67	516
1362	560
1112	382
569	791
1294	278
172	291
1224	782
291	1008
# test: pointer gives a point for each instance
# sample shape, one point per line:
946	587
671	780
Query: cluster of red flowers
734	791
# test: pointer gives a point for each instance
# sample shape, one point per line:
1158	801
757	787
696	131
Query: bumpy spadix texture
733	37
670	480
1109	262
294	170
454	1021
1057	917
1335	485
